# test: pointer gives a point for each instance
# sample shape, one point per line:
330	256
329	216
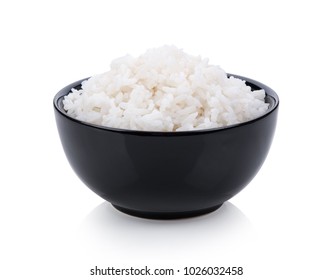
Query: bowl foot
166	215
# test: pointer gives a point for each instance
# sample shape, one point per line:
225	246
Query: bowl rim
274	104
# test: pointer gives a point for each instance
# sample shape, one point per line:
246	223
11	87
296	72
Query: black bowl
166	175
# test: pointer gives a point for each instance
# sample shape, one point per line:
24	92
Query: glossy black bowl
166	175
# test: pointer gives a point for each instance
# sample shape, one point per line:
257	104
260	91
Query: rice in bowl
164	89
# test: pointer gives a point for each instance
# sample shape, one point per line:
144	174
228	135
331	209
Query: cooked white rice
164	89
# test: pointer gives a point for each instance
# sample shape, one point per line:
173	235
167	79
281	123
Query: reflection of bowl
167	175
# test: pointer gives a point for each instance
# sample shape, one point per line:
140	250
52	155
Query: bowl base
166	215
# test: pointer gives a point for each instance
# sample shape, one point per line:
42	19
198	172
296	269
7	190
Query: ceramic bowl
166	175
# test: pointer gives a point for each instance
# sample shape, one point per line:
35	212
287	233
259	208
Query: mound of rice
164	89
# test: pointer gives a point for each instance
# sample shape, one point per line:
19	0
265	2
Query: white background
53	227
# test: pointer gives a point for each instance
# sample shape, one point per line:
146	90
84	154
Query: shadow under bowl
167	175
